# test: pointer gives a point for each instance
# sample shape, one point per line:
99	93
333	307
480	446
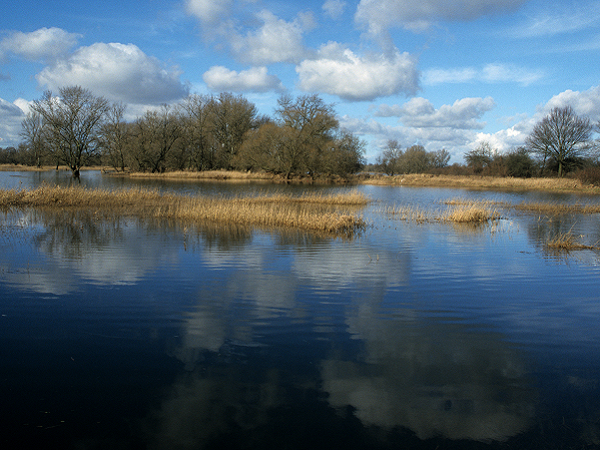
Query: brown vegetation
482	182
459	212
567	241
314	213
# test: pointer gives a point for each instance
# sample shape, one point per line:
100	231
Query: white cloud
275	41
420	112
339	71
585	103
256	79
117	71
334	8
11	117
209	12
556	19
40	44
490	73
379	15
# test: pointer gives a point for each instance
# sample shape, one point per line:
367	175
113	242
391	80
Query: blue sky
438	73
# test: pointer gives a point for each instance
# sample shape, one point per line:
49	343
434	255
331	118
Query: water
126	334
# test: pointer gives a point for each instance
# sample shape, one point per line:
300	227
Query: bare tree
561	136
71	124
390	157
310	123
114	136
33	134
153	137
198	118
232	117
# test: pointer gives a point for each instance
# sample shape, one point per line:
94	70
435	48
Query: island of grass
332	215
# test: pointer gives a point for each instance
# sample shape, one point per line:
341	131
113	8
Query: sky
438	73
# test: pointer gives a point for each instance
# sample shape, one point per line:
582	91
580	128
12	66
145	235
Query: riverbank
414	180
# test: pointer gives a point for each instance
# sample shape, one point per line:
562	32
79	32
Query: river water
128	334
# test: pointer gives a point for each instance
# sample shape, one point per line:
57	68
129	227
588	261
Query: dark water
129	335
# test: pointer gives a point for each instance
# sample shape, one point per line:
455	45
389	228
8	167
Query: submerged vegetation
326	214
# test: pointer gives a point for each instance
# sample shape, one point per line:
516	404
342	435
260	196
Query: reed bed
567	241
315	213
220	175
483	182
556	209
459	212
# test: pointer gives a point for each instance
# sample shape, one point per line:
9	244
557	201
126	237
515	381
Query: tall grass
315	213
484	183
458	212
567	241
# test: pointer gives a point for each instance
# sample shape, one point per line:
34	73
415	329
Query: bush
519	164
589	175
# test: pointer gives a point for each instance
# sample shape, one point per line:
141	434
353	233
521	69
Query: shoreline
477	182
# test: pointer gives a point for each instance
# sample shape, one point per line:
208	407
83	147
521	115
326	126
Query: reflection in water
225	337
435	379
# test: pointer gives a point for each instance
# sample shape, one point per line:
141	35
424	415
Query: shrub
589	175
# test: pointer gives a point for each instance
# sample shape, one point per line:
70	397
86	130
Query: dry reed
315	213
460	212
483	182
567	241
558	208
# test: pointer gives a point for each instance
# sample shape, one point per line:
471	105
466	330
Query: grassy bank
482	183
326	214
416	180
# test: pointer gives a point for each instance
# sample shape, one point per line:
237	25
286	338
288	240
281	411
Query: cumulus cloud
379	15
275	41
420	112
334	8
584	103
11	117
42	44
117	71
490	73
256	79
339	71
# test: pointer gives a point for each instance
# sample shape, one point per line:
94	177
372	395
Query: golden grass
482	183
471	212
315	213
556	209
206	175
567	241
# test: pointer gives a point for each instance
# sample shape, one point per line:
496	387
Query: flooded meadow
150	333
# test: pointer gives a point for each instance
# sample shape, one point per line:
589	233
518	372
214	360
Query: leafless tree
113	136
33	134
390	157
71	124
562	136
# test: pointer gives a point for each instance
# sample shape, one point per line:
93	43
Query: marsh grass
567	241
556	209
327	214
484	182
472	212
459	211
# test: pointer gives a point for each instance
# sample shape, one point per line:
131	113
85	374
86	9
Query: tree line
304	138
202	132
562	142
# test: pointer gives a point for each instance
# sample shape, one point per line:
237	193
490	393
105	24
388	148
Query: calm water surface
142	335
